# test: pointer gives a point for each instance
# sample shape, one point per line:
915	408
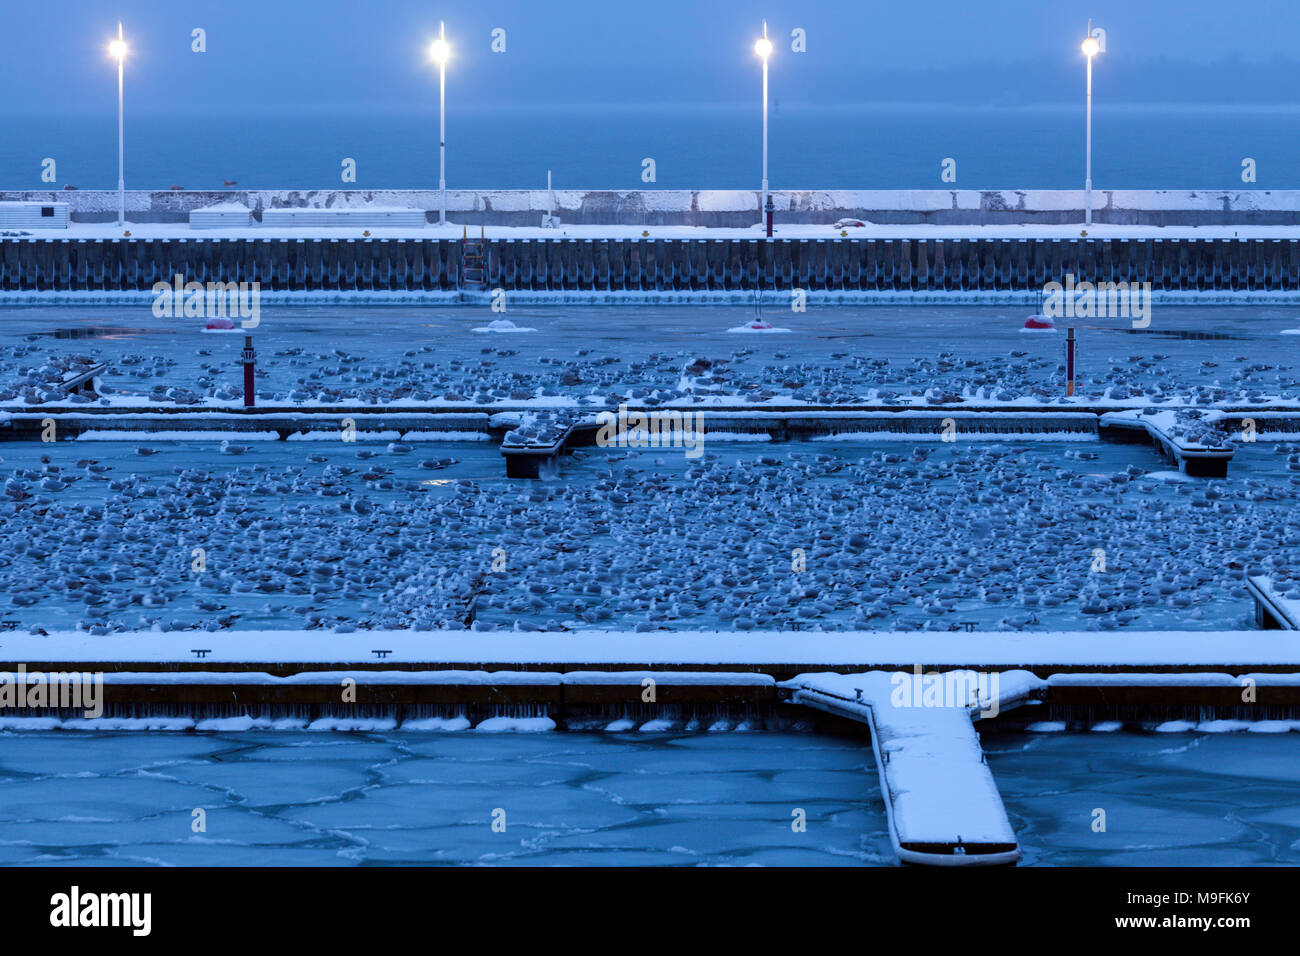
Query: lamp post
763	47
439	53
118	49
1091	47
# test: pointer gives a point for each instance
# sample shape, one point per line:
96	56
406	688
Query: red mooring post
1069	361
769	209
249	359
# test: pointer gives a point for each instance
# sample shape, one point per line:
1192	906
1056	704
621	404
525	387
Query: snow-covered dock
781	654
1273	610
941	801
573	424
1190	438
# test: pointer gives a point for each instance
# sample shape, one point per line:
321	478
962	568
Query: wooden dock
941	803
1273	611
577	425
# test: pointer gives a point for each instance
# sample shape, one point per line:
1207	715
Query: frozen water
1171	799
619	799
310	799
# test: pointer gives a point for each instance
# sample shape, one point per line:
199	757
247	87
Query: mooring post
1069	361
249	359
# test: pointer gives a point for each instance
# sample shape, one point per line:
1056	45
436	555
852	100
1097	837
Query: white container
220	216
33	215
359	217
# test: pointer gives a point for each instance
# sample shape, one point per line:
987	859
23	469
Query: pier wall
719	208
638	265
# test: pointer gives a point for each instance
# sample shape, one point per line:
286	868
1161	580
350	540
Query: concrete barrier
717	208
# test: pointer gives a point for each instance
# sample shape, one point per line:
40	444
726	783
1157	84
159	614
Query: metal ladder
473	261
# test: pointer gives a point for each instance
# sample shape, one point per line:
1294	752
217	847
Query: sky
269	56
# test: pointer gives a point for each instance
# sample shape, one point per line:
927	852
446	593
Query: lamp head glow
1091	47
440	50
763	47
117	48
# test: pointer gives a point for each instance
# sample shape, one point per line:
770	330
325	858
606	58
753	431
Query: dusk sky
275	55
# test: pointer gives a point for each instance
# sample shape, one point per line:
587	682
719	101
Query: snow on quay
1142	653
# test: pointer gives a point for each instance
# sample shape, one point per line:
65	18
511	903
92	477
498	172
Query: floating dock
577	425
1204	457
941	802
1273	611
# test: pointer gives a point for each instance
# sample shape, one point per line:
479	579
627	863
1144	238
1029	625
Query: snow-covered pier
780	654
1189	438
534	435
535	454
941	802
1273	610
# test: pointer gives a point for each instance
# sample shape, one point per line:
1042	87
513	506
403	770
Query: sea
692	147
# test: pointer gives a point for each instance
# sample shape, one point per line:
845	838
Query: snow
750	329
783	230
1129	650
502	325
667	678
128	434
527	725
1285	596
975	434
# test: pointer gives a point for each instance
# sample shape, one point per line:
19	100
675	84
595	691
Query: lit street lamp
117	49
1093	44
763	47
439	53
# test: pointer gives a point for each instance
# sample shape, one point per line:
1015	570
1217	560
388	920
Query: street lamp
117	49
439	53
1092	45
763	47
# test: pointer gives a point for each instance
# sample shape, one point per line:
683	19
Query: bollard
249	358
1069	361
769	209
